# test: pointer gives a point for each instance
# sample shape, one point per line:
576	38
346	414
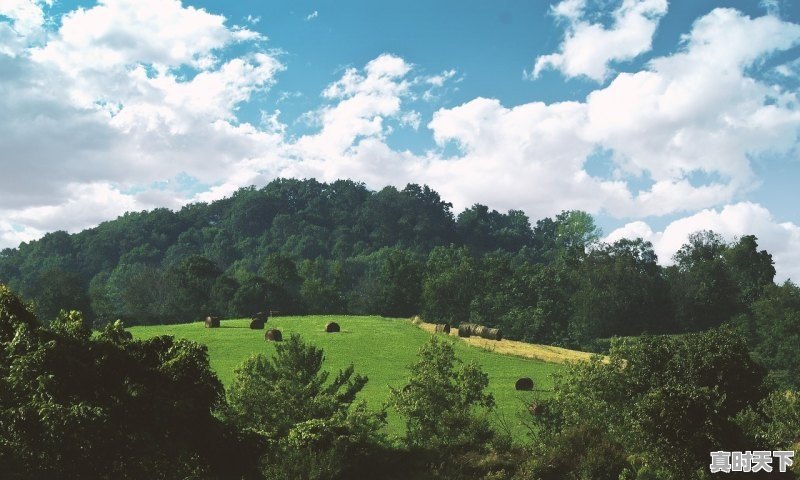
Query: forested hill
301	246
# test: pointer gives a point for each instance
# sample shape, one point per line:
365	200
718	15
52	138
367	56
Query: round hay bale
466	329
273	335
442	328
212	322
524	383
263	316
332	327
492	333
257	324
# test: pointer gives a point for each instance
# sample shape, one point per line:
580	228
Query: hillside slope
378	347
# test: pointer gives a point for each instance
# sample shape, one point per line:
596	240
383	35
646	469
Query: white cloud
88	205
26	16
104	102
689	125
12	235
23	27
312	15
698	111
589	48
364	101
781	239
125	32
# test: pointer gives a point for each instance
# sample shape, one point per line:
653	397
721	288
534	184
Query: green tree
774	333
444	402
667	401
751	269
620	291
449	285
704	291
310	424
189	285
73	405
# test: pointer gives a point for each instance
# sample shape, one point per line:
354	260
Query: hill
378	347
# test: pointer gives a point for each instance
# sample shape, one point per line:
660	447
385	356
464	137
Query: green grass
379	348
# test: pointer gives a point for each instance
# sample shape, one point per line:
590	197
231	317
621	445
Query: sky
659	118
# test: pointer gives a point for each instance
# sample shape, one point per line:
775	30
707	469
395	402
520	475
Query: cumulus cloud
103	102
589	48
362	103
698	111
687	127
522	157
781	239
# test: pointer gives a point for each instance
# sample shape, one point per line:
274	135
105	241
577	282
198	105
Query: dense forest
705	357
302	246
78	404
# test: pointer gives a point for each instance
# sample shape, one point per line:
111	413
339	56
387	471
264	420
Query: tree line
76	404
302	246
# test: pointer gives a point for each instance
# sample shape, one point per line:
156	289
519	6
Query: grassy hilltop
378	347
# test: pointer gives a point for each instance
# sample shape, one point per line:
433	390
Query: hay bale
470	329
332	327
466	330
263	316
479	331
524	384
273	335
257	323
212	322
442	328
416	320
492	333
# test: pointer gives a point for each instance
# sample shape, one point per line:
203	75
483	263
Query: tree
704	292
310	424
393	286
74	405
752	270
667	401
448	286
440	398
620	291
774	333
189	285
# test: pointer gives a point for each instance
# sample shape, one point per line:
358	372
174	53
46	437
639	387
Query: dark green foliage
669	400
775	422
449	285
309	422
620	292
444	402
704	290
579	452
77	406
773	332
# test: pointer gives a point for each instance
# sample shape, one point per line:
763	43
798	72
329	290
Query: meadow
380	348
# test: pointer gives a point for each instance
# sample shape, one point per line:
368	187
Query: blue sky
660	118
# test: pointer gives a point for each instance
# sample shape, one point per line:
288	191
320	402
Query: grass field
378	347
